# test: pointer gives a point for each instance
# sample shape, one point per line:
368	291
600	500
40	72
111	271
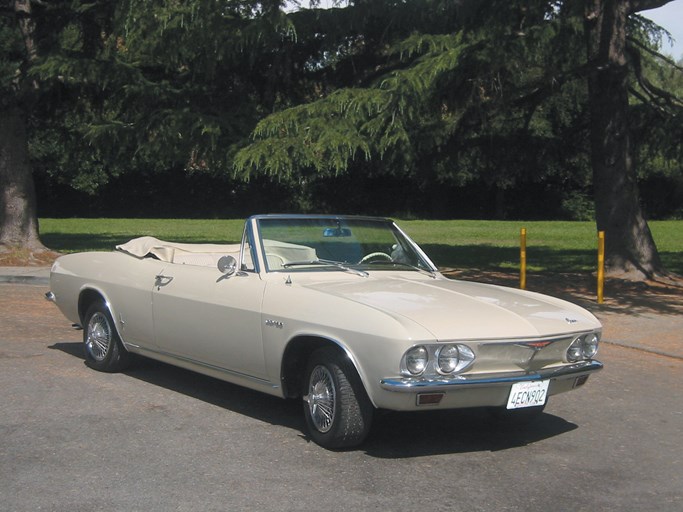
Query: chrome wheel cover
321	398
99	336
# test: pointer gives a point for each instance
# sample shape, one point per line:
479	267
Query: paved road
162	439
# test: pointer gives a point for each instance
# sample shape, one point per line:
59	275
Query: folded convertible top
147	246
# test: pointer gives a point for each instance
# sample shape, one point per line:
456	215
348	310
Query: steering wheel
375	255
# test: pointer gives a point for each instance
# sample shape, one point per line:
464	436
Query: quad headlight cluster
583	347
436	360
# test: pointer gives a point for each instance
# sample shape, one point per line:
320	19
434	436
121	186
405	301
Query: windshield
344	243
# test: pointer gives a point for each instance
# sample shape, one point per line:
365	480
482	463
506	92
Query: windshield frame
422	263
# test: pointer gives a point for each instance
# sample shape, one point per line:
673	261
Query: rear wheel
104	350
337	409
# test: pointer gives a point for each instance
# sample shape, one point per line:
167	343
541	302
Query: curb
642	348
35	280
25	275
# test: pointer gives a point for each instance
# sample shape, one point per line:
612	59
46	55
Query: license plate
528	394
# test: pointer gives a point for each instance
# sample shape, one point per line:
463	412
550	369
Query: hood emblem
570	320
534	345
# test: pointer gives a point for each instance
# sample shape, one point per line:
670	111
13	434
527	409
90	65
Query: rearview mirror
336	232
227	265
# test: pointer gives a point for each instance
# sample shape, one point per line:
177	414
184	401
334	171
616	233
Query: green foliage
579	206
439	114
435	97
11	53
151	84
328	134
496	96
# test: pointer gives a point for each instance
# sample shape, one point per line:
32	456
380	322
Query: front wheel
104	350
337	409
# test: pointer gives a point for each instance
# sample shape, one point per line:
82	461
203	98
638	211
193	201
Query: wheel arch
88	296
295	358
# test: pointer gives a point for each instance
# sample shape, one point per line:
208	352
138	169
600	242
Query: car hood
460	310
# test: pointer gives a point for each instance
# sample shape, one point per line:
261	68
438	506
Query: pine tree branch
646	5
550	85
658	97
654	53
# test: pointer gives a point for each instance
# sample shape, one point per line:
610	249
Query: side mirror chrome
227	265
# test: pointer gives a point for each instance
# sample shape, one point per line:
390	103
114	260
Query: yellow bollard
522	259
601	266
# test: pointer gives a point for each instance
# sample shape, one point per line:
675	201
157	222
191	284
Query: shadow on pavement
403	435
395	435
235	398
621	296
72	348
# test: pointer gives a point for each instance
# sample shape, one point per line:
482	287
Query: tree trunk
630	249
18	215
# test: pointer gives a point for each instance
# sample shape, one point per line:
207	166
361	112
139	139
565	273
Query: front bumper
412	385
475	390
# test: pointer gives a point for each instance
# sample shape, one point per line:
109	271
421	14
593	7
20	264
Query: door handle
161	280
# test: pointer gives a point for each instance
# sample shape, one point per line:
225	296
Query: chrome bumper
408	384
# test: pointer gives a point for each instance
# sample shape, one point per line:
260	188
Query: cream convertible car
346	313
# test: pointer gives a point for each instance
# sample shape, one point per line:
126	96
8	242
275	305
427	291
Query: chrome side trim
168	357
407	385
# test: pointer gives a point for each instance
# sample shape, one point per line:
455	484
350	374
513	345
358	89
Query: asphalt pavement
157	438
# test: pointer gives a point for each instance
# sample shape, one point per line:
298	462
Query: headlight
448	358
416	360
583	347
435	360
589	346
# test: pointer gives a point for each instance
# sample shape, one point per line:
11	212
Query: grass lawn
551	246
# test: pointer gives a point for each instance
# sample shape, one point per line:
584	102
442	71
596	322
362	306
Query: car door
206	317
130	295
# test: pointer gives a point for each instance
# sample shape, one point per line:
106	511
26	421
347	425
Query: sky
670	16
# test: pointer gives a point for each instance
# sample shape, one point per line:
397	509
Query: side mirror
227	265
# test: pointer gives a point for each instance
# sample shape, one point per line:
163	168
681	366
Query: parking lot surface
158	438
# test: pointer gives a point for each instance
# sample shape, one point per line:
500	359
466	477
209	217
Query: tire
103	348
337	409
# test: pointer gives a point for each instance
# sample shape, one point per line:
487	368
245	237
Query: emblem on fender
274	323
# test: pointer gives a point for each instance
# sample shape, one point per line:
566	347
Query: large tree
18	221
481	96
630	247
33	35
113	87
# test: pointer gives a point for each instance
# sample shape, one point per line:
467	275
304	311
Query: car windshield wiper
430	273
337	264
